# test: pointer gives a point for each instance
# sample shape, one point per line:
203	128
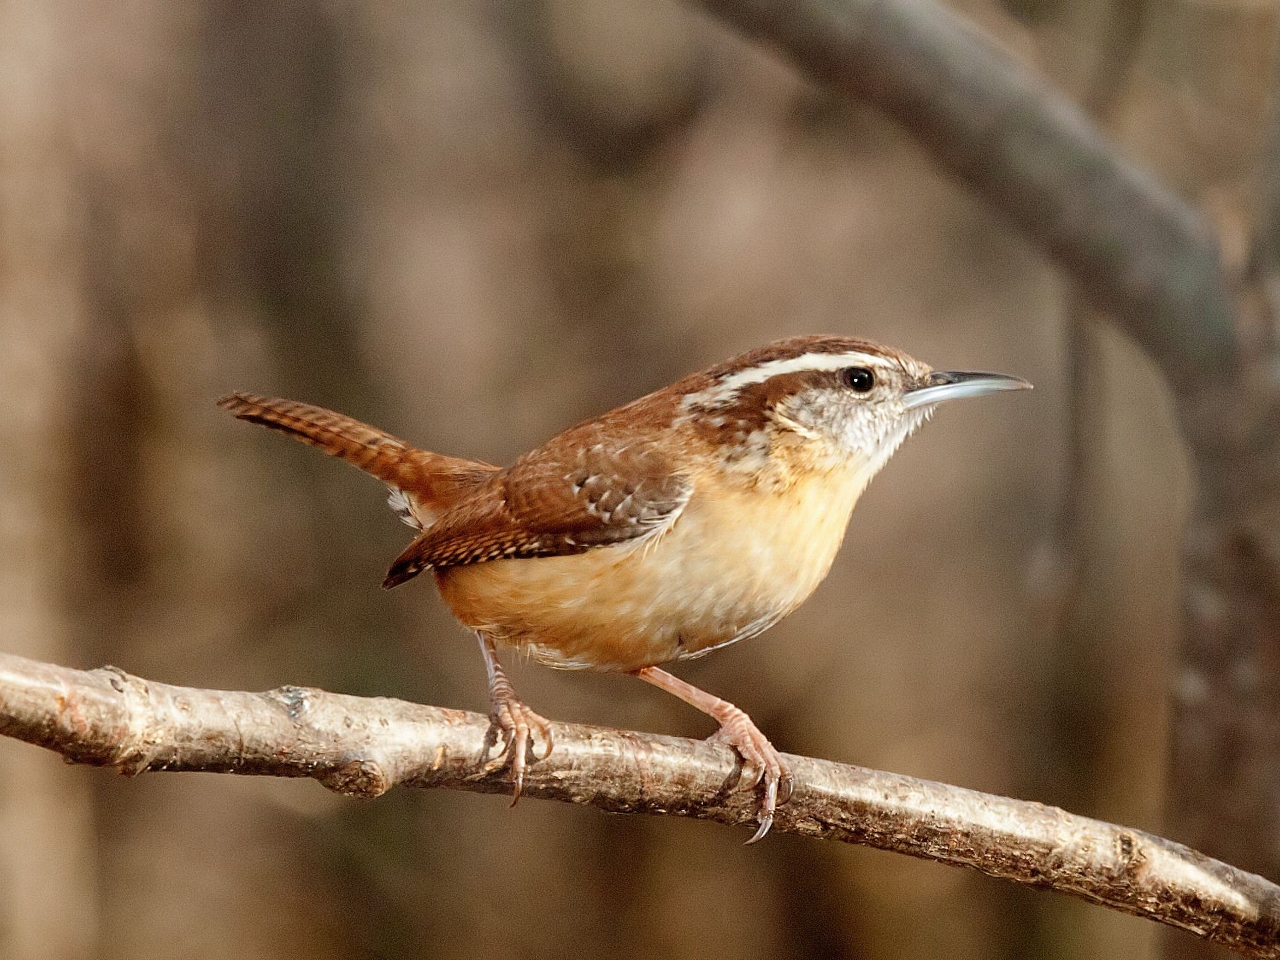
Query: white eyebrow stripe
724	391
806	361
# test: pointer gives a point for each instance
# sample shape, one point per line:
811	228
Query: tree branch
364	746
1136	248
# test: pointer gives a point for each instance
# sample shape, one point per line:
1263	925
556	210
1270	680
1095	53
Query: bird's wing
568	497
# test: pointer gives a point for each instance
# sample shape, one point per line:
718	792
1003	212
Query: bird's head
833	402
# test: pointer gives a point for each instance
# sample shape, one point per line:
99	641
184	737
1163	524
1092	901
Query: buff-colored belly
731	566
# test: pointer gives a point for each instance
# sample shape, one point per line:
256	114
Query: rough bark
363	747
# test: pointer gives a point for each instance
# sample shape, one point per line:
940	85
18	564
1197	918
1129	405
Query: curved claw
766	821
767	806
518	727
786	787
551	743
520	740
762	764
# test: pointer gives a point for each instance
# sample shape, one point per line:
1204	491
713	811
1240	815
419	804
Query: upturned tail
429	482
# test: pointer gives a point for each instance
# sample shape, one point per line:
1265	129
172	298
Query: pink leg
512	720
763	762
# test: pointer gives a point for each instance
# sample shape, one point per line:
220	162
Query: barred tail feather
428	482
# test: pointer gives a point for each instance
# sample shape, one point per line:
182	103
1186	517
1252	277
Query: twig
364	746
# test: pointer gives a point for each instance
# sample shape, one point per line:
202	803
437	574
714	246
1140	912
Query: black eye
858	379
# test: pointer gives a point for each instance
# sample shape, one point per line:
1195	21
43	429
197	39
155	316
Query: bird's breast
735	562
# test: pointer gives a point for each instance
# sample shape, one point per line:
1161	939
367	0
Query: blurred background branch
1136	249
364	747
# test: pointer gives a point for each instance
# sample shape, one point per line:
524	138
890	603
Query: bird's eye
858	379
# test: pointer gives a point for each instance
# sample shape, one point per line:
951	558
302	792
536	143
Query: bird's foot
524	736
763	765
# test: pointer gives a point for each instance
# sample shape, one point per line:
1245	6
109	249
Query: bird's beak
951	385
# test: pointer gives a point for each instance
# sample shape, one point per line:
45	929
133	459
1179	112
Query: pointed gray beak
951	385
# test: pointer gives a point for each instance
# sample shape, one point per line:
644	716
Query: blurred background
473	224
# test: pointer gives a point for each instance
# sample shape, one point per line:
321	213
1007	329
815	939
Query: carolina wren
694	517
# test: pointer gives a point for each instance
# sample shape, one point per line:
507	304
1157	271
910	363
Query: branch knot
364	779
137	744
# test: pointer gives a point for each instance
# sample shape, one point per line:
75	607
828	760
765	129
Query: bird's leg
511	720
764	764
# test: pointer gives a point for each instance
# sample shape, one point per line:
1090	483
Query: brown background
473	224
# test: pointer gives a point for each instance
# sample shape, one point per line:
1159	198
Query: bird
694	517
